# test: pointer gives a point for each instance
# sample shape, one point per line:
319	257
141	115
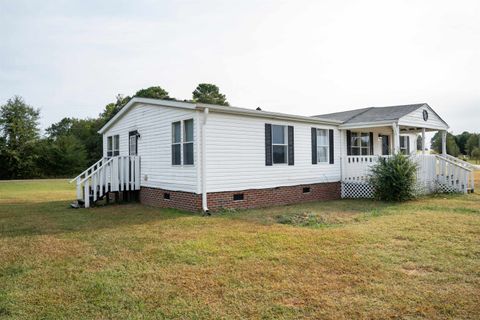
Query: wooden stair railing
115	174
454	175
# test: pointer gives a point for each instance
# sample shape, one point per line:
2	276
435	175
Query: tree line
465	144
70	145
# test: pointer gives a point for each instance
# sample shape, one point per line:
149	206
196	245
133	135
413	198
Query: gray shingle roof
372	114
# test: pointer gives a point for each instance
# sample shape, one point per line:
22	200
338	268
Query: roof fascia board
266	114
430	127
362	125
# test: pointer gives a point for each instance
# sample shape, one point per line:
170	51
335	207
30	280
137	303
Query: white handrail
434	172
453	162
96	170
90	168
457	160
119	173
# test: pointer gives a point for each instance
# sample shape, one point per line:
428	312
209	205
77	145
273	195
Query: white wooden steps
108	175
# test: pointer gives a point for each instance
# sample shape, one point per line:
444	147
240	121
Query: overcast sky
70	58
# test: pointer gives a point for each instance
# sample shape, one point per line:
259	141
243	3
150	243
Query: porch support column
444	142
423	140
396	138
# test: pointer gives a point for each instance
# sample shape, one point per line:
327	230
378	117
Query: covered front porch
364	145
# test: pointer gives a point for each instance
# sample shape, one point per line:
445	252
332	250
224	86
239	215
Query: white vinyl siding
154	125
415	119
236	155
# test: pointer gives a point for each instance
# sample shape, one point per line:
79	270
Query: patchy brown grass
329	260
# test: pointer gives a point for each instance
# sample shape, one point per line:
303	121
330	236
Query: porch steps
119	175
104	194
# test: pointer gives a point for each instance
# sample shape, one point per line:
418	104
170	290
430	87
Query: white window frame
109	146
132	145
183	142
178	143
327	146
116	151
404	146
186	142
284	145
359	134
113	152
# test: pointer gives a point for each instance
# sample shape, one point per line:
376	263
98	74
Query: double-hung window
182	142
405	144
113	146
188	141
177	143
323	146
279	144
360	143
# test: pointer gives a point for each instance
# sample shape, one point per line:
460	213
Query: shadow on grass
24	219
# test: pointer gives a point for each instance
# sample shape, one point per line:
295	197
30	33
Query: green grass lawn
330	260
473	161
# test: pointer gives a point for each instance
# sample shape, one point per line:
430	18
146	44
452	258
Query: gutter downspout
204	163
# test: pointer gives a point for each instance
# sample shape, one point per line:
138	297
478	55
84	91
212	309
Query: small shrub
394	178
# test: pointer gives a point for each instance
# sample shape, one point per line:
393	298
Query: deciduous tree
476	154
209	93
472	143
19	132
452	147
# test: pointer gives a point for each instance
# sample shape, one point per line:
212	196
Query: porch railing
434	172
120	173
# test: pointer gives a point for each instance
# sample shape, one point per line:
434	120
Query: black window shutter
331	144
408	144
371	143
268	144
291	149
349	143
314	146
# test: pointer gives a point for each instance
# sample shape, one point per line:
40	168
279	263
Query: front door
133	143
385	145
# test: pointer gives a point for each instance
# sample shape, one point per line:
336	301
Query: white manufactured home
195	156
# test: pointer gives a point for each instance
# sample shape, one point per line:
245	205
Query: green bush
394	178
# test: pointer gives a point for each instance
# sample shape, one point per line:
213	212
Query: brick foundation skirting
252	198
188	201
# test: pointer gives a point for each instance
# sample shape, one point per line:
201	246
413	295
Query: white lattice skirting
363	190
357	190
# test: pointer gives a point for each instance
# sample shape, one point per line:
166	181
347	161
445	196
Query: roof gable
166	103
416	118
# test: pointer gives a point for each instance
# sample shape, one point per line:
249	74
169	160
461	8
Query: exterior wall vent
238	197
